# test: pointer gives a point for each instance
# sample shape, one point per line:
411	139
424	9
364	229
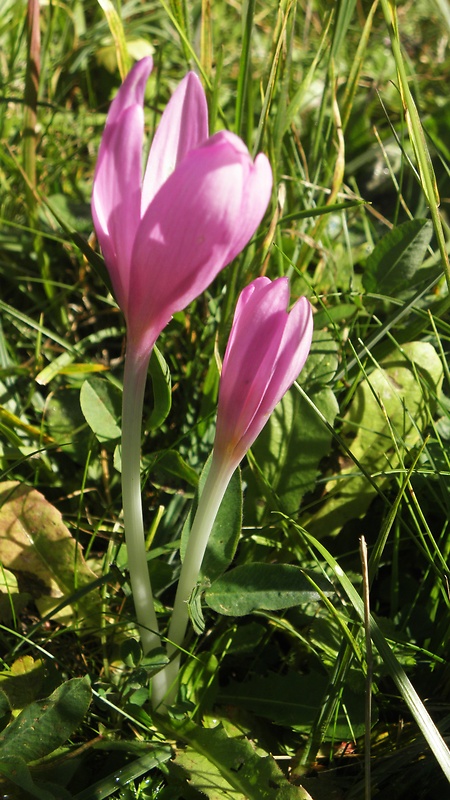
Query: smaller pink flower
266	351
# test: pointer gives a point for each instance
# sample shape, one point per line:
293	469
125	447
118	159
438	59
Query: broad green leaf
292	700
245	638
226	530
18	774
205	776
45	725
100	403
199	680
389	411
252	773
397	257
170	462
66	423
195	609
162	390
291	446
336	315
322	362
250	587
294	440
35	543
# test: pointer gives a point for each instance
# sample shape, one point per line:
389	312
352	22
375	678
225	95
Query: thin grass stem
30	104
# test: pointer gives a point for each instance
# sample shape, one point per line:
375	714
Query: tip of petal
192	78
264	170
231	140
132	90
183	127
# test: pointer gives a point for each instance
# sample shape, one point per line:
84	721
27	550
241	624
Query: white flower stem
132	405
165	682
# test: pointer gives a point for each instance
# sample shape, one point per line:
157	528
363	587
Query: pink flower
167	234
266	351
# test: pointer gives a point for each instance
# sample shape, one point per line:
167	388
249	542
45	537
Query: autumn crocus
266	351
165	234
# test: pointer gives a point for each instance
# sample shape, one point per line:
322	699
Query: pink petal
252	343
118	176
132	91
294	349
266	351
188	231
257	191
116	196
183	127
250	359
243	300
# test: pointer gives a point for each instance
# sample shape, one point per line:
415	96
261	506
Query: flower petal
244	300
257	191
294	349
251	337
188	232
118	176
266	351
292	353
183	127
132	91
116	196
249	362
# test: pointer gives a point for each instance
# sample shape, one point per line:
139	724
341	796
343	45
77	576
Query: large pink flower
167	234
266	351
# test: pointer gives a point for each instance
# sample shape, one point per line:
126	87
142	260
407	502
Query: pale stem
165	682
132	407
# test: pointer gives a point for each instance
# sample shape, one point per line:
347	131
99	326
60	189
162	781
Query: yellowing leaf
38	548
22	683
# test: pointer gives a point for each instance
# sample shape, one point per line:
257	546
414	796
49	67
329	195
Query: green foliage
393	264
222	764
294	699
40	729
162	390
260	586
46	724
100	404
344	98
387	417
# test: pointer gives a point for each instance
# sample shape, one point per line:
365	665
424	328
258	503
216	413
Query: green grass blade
271	83
417	135
357	64
244	65
396	671
118	34
112	783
